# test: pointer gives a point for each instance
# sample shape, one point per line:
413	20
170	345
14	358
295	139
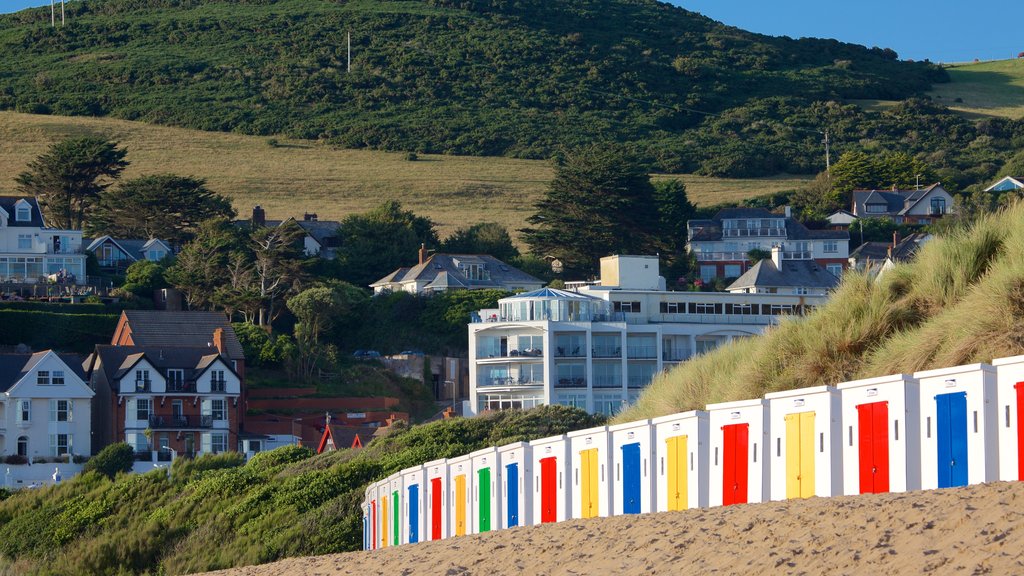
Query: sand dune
963	530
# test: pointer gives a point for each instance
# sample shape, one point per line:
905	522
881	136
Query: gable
52	365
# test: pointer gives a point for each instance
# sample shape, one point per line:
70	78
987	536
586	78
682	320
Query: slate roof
902	252
765	274
135	248
13	367
8	203
117	361
159	328
897	202
444	269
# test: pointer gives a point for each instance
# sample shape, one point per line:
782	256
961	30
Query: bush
184	469
143	277
111	460
16	459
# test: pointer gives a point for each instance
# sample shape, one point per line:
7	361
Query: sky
938	30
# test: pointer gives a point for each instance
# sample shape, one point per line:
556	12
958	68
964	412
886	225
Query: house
440	272
45	409
879	257
598	345
922	206
721	245
119	253
161	399
31	251
321	238
161	328
776	275
1007	184
841	219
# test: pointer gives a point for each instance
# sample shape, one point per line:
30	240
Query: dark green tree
202	267
70	177
483	238
162	206
601	202
143	277
377	242
860	170
111	460
279	266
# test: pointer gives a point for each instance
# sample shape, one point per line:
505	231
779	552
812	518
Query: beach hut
737	468
460	487
1009	405
413	518
486	511
364	508
681	460
955	421
396	500
632	459
591	485
549	459
516	480
370	537
803	450
383	513
436	499
880	434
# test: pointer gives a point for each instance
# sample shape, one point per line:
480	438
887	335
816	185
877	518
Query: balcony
797	255
528	353
754	232
510	381
608	381
721	256
642	352
218	386
567	352
180	422
606	352
143	385
674	355
571	383
183	387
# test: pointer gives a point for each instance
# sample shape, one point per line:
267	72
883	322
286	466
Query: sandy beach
962	530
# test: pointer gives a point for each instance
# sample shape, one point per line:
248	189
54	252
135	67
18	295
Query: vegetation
217	512
112	460
984	89
958	302
40	330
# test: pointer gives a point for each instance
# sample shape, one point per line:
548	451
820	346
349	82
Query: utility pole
53	15
61	13
828	159
348	68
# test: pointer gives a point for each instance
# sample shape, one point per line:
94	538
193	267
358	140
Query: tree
484	238
70	176
112	459
201	267
817	200
377	242
161	206
674	211
278	265
317	309
143	277
755	255
601	202
859	170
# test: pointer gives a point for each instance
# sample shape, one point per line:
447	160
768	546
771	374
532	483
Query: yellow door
384	521
460	505
800	455
588	483
678	486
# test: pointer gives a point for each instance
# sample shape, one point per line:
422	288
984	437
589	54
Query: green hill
959	302
985	89
479	77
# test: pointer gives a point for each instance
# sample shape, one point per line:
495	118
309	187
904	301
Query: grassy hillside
985	89
470	77
300	175
961	301
215	512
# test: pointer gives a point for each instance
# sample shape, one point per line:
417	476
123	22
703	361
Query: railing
721	256
607	382
176	386
636	382
566	352
606	352
571	383
527	353
218	385
797	255
510	381
674	355
642	352
143	385
761	232
172	422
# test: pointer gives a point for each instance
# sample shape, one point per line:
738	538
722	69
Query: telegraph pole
348	67
61	13
828	159
53	15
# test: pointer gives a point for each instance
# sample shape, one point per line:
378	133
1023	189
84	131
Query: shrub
111	460
16	459
412	157
185	469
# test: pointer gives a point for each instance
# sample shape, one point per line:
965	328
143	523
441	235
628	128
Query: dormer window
23	213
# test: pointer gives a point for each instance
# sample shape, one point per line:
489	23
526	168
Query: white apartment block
597	345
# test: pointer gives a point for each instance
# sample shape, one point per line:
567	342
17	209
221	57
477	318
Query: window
24	241
876	208
142	381
59	444
60	410
740	309
217	381
24	214
219	409
673	307
175	379
733	270
708	272
24	410
831	247
800	290
255	446
704	308
57	378
632	307
218	443
23	446
938	206
835	269
43	378
142	406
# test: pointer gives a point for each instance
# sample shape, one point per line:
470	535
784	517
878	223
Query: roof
711	230
323	231
117	361
135	248
903	251
14	367
7	203
450	266
1007	183
160	328
896	202
765	274
550	293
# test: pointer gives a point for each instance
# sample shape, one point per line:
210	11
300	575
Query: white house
922	206
30	250
1007	184
119	253
46	406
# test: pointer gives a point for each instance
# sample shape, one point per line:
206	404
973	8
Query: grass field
303	176
985	89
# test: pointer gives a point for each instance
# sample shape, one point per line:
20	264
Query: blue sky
941	30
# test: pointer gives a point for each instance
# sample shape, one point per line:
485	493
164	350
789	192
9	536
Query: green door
483	477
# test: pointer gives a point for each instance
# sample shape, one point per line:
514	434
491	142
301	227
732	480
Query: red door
1019	387
873	452
373	524
548	490
435	508
734	464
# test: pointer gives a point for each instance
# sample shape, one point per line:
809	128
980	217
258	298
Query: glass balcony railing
606	352
642	352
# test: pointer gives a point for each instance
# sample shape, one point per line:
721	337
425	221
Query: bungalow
922	206
46	401
119	253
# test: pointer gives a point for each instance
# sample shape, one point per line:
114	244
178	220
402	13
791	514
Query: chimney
423	253
777	256
895	238
788	211
218	341
309	217
259	217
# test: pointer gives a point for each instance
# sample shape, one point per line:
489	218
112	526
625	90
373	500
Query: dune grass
303	176
961	301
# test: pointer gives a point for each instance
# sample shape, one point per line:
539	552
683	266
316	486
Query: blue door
366	537
631	478
512	496
951	429
414	513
